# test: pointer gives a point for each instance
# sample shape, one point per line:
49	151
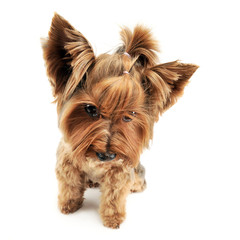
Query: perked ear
68	56
165	83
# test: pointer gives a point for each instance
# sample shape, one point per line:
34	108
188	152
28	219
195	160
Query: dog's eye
91	110
128	118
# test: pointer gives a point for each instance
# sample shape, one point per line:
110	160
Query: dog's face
107	105
107	118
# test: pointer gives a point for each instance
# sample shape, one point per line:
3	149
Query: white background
193	166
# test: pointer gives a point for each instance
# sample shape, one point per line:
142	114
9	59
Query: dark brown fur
128	104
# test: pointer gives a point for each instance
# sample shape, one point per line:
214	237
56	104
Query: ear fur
165	83
66	50
140	44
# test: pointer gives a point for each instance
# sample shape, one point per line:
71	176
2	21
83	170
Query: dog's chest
96	170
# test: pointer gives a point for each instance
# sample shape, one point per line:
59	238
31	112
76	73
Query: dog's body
107	106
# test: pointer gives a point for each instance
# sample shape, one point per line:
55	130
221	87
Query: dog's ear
164	84
140	45
68	56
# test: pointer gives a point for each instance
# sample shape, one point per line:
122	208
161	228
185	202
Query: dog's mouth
105	157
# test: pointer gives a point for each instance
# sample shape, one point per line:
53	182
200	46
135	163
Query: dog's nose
106	156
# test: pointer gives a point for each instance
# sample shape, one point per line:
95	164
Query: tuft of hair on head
140	45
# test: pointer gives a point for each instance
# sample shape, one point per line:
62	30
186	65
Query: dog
107	106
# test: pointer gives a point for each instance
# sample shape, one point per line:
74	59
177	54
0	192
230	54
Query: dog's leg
71	188
139	179
71	183
115	186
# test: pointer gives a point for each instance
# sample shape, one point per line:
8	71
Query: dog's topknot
140	45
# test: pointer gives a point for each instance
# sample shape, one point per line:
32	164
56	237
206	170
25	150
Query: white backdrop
193	165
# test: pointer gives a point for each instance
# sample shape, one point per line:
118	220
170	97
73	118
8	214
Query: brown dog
107	106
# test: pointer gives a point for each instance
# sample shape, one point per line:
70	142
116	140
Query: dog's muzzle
106	156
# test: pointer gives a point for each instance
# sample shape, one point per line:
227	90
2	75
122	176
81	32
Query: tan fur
127	91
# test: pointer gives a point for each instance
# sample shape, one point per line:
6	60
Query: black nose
106	156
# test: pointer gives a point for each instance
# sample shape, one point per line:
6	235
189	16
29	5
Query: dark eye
91	110
128	118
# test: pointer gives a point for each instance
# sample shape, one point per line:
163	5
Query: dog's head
107	105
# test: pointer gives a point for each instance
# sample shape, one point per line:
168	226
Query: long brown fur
129	90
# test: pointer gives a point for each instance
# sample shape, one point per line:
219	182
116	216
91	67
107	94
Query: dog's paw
113	221
70	206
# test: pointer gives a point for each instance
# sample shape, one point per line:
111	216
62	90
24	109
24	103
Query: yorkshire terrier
107	106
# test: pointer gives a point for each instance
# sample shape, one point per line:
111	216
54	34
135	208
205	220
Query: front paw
113	221
70	206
